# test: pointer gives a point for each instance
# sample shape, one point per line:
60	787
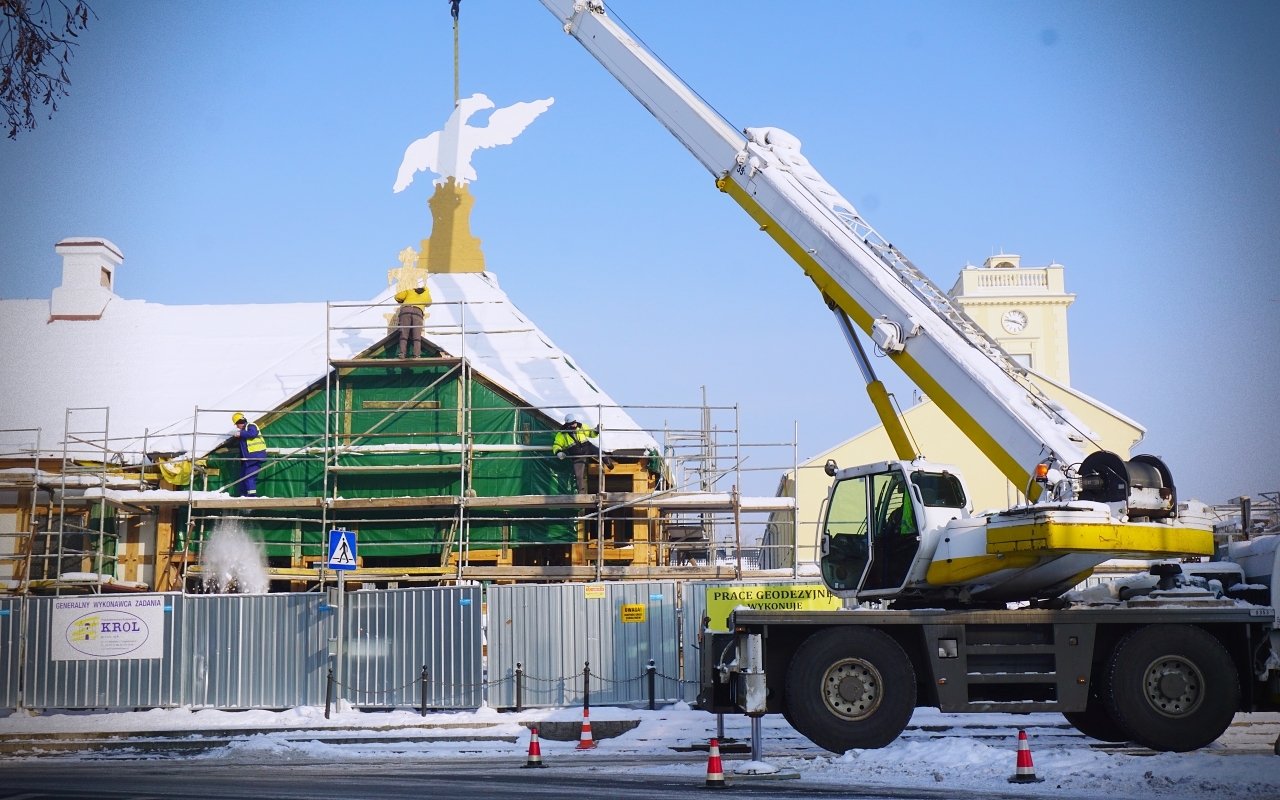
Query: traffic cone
535	751
1026	771
715	771
585	742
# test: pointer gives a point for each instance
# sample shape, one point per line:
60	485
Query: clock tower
1023	308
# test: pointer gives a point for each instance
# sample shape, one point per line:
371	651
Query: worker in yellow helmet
253	454
413	304
573	440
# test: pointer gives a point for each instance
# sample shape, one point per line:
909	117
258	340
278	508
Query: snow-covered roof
152	364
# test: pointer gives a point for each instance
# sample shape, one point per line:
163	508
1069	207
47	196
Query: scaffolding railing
700	449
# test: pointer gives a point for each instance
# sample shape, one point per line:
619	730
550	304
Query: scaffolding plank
257	502
348	503
534	501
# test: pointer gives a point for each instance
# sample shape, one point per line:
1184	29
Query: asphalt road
400	778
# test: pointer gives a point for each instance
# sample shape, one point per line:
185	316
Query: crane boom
989	396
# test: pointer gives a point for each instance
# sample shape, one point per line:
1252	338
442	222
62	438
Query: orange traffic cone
715	771
535	751
1026	771
585	742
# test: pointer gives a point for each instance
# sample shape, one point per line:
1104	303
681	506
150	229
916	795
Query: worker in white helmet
573	440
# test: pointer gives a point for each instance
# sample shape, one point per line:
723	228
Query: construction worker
413	305
253	454
573	441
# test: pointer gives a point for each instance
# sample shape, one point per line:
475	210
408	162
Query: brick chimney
88	278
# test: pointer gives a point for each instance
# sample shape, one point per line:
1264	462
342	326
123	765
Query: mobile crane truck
965	612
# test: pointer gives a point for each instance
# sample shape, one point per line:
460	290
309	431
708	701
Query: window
1022	358
939	490
845	530
106	277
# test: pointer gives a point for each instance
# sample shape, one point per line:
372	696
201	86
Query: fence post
651	670
328	693
519	687
586	685
424	690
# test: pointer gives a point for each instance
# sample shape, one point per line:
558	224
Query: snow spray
233	561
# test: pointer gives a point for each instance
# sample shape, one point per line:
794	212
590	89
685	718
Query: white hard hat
571	418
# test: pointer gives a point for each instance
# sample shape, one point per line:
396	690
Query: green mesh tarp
406	417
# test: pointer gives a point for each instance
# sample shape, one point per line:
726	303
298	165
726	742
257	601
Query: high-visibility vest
568	438
252	438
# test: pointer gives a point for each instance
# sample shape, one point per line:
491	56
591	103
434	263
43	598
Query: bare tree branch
35	46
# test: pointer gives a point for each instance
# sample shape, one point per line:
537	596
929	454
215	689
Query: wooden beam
358	363
392	468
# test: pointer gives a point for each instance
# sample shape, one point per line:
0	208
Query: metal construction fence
10	651
554	630
401	647
261	651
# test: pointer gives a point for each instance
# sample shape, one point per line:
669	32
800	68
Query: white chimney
88	277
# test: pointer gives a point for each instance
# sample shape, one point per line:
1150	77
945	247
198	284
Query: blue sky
244	152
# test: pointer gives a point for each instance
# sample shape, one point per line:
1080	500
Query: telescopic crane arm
988	395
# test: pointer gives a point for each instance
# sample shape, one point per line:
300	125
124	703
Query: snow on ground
966	752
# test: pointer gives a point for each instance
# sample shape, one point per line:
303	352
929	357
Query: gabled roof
152	364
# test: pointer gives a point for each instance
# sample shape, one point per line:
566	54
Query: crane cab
882	523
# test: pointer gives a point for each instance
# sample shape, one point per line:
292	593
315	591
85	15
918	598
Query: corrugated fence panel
10	636
392	634
693	607
104	683
256	651
552	629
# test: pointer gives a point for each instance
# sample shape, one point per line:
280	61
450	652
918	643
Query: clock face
1014	321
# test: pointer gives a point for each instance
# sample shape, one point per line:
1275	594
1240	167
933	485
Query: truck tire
850	687
1172	687
1095	722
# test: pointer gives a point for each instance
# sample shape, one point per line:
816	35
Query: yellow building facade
1025	309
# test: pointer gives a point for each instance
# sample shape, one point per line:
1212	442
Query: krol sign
92	628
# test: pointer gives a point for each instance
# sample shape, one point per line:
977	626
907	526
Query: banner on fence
93	628
722	600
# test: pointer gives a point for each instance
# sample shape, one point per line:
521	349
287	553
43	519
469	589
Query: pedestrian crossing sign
342	550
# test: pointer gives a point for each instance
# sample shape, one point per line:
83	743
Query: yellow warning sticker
594	591
633	612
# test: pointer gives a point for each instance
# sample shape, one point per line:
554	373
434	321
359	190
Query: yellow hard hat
237	418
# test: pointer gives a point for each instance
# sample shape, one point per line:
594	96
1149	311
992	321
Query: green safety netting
370	426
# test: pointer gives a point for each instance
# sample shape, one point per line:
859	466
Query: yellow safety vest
568	438
254	444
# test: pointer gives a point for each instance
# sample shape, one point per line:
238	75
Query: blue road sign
342	550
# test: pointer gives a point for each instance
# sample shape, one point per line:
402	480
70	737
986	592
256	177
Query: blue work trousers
249	476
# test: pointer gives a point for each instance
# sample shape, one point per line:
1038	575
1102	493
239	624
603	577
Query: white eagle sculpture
448	152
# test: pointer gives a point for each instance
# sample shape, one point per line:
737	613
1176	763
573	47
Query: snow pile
959	762
967	754
233	562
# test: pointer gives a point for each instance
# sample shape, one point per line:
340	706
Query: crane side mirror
830	468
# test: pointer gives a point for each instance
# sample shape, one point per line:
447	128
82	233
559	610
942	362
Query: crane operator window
895	534
845	534
939	489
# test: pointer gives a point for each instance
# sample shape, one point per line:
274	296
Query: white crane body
1035	550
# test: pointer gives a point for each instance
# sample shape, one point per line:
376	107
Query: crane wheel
850	687
1096	723
1172	687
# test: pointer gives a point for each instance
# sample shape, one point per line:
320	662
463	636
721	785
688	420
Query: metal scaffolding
689	517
